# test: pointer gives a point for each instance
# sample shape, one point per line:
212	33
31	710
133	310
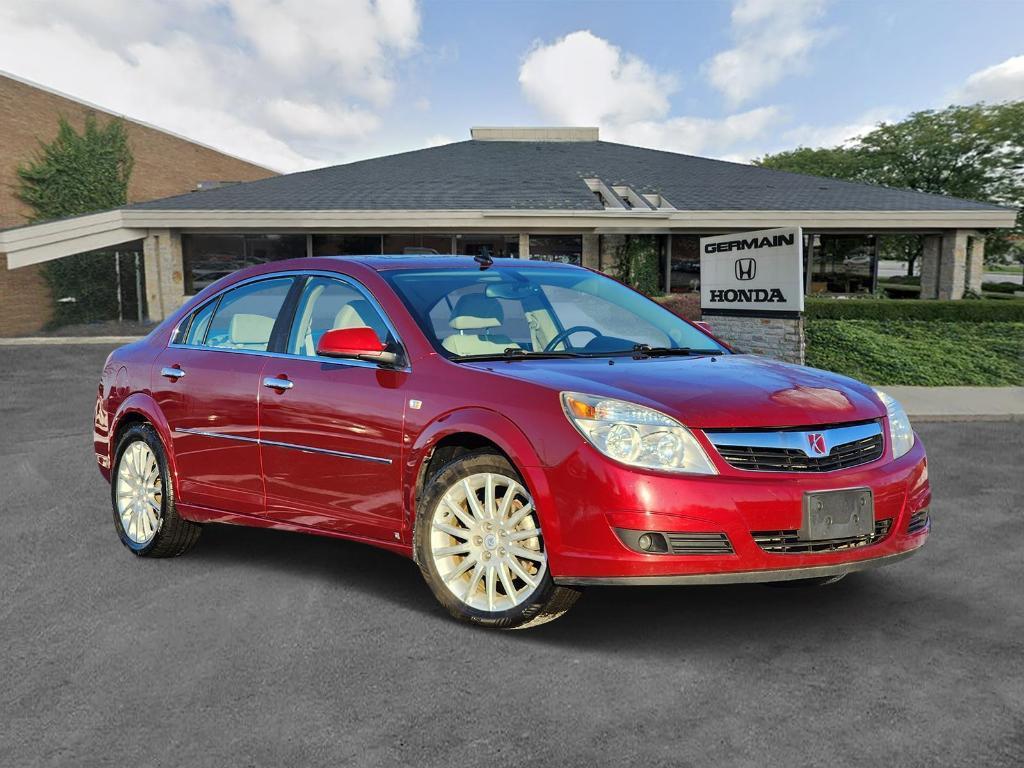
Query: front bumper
596	496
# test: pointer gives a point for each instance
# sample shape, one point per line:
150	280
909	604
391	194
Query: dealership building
539	193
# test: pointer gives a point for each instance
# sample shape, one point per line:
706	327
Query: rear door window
245	317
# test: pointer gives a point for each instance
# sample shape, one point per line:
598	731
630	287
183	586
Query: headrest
250	329
474	310
359	313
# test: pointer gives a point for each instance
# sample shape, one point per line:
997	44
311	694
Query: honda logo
816	442
745	269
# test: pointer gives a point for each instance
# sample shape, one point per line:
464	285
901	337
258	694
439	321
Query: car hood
725	391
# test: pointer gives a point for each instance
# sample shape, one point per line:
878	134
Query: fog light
646	542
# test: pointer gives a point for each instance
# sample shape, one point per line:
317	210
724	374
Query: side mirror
356	344
704	326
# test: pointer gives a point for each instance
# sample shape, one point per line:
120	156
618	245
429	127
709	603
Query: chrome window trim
350	281
796	439
279	444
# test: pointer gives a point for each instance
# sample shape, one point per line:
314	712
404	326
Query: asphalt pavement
267	648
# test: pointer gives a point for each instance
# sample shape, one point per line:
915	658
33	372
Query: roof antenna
484	259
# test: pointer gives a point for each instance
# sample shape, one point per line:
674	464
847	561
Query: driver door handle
172	372
279	384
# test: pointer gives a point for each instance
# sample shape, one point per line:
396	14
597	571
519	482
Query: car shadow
367	569
652	620
661	620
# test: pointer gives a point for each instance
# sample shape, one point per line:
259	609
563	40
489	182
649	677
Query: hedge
964	311
919	353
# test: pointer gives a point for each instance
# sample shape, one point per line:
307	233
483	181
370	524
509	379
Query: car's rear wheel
142	493
480	546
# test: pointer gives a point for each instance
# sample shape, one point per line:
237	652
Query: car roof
419	261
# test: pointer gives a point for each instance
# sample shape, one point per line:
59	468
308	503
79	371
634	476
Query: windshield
525	311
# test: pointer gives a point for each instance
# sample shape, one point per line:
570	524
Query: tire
161	532
817	581
486	582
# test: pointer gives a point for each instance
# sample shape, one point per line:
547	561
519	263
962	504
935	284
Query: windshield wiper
646	350
515	353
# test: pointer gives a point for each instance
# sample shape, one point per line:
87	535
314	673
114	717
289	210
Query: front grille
919	521
842	456
699	543
788	542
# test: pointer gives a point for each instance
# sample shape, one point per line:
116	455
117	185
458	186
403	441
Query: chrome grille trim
790	450
789	542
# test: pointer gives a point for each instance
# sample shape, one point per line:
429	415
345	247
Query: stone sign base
781	338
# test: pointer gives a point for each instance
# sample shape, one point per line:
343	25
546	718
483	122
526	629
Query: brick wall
776	337
164	165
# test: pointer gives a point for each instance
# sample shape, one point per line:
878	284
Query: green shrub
919	352
1002	287
916	309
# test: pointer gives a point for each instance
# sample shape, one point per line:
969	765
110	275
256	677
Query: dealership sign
759	271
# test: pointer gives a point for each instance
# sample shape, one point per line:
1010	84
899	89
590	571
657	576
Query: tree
636	263
75	174
974	152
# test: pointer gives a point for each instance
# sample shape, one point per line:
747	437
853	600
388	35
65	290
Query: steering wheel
564	335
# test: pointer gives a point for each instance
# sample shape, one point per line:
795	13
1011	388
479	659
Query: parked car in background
521	429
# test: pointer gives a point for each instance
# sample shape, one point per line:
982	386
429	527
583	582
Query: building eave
38	243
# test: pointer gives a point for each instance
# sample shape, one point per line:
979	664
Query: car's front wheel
145	516
480	546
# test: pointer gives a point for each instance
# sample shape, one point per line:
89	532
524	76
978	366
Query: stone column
953	265
591	244
976	263
930	266
781	338
610	245
524	245
165	277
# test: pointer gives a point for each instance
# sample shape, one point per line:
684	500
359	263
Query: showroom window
487	245
347	245
207	258
565	248
842	263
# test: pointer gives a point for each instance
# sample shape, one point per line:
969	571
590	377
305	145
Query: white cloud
281	83
582	79
840	133
438	140
773	39
699	135
315	121
1000	82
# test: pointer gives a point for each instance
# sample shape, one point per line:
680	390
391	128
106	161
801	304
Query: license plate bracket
838	514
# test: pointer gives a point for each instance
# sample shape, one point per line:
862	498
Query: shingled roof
542	175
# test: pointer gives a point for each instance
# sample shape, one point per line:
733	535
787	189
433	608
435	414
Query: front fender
501	431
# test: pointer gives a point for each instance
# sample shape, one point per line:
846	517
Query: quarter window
245	317
200	324
329	304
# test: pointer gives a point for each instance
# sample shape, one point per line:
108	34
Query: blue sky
300	83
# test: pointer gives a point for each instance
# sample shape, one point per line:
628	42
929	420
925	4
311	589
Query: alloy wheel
486	542
139	493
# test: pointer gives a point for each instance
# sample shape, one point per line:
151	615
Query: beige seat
473	318
250	331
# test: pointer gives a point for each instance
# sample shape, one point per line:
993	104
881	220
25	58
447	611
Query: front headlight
901	434
635	435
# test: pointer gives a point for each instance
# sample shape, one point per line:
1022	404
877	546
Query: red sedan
521	429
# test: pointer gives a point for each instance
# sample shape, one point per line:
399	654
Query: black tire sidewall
459	468
146	434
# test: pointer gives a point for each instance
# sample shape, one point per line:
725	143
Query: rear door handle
278	384
172	373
